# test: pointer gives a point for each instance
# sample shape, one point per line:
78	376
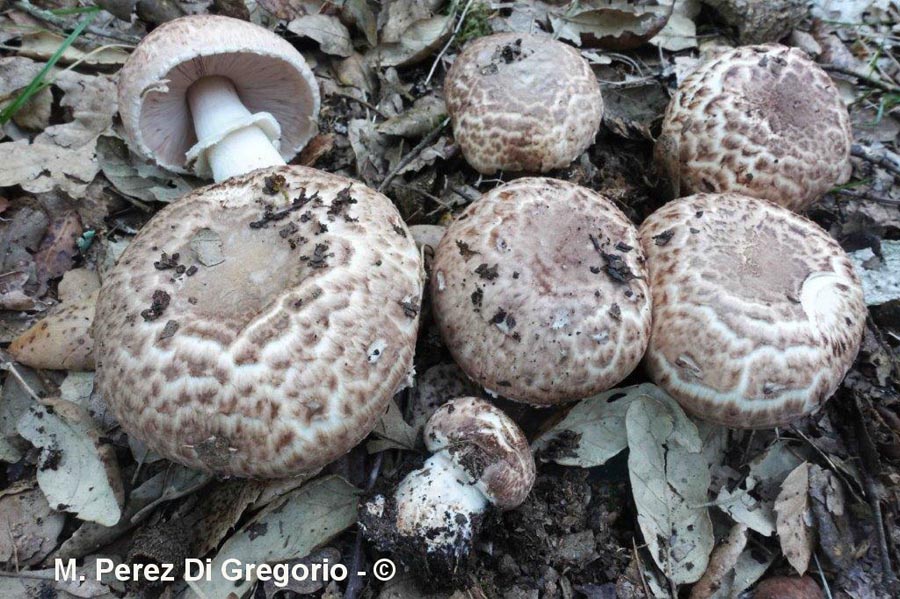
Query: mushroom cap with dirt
253	78
763	121
258	327
540	292
480	457
757	312
522	102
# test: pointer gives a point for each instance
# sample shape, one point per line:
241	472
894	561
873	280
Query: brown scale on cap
283	356
757	312
540	292
522	102
267	71
763	121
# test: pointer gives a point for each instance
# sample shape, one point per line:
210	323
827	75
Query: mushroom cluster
757	312
541	293
258	326
480	458
763	121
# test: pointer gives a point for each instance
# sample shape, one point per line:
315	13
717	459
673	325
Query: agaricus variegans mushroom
540	292
217	96
522	102
757	312
258	327
763	121
480	457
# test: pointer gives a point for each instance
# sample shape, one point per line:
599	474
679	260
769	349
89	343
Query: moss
475	24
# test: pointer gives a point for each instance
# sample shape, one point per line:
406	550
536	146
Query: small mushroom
788	587
757	312
763	121
217	96
258	327
759	22
540	292
522	102
480	457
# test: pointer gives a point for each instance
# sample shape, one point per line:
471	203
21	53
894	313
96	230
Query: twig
640	565
822	576
868	195
426	141
871	468
885	158
49	17
459	24
7	364
868	80
368	105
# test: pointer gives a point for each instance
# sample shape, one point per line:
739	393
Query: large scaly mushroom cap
757	312
522	103
258	327
270	76
540	292
763	121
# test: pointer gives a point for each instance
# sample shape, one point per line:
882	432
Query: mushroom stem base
231	140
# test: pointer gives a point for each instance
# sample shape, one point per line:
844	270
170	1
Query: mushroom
218	96
540	292
258	327
480	457
763	121
788	587
760	22
757	312
522	102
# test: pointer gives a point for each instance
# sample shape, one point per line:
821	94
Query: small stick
867	195
885	158
822	576
443	51
427	140
49	17
868	80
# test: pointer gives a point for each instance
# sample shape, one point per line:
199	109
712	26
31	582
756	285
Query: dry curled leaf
331	35
61	340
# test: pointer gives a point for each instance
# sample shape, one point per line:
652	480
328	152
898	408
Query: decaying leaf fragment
28	526
669	479
392	431
289	529
794	523
61	340
77	471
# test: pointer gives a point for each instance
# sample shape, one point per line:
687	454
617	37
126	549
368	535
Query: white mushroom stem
431	500
230	139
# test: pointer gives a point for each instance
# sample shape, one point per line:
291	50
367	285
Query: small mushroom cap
763	121
757	312
269	74
488	445
540	292
269	338
522	102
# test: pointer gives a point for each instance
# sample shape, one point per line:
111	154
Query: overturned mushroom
217	96
480	458
540	292
763	121
757	313
522	102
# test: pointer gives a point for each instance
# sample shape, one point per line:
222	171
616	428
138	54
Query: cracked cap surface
757	312
270	336
540	292
763	121
522	102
